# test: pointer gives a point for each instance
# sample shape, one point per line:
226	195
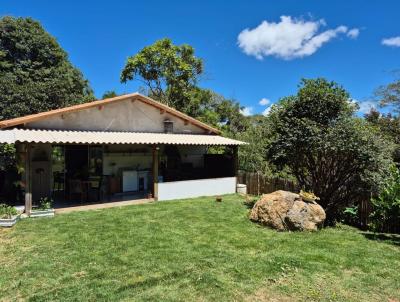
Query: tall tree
337	156
389	126
169	72
389	94
35	73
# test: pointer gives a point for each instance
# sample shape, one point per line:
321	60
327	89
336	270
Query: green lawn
192	250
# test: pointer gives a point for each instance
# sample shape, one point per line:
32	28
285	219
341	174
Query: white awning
105	137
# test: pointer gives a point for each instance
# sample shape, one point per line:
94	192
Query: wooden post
235	164
28	180
155	172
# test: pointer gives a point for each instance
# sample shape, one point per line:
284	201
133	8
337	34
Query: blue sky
339	40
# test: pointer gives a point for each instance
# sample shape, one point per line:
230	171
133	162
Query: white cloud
353	33
264	102
288	39
246	111
266	111
366	106
395	41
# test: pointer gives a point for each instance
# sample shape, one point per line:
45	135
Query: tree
330	152
386	206
389	94
109	94
214	109
389	126
169	72
252	156
35	73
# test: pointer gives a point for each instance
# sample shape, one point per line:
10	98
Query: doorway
76	162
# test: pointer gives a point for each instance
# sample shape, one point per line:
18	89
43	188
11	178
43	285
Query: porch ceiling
105	137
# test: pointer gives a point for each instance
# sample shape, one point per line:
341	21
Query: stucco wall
196	188
121	116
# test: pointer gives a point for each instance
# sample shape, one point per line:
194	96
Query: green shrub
45	203
7	212
386	207
351	216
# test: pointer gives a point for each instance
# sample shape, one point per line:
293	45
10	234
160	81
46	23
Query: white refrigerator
130	181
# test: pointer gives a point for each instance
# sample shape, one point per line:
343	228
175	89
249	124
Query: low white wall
196	188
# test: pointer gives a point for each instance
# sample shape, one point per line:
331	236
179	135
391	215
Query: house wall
196	188
120	116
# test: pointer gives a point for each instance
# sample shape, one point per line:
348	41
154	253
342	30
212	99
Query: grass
192	250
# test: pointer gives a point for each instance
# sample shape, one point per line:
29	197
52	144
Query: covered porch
79	169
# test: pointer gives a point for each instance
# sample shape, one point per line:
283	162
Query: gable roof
133	97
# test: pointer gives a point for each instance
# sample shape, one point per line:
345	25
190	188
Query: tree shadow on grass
387	238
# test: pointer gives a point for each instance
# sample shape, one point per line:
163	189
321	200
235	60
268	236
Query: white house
122	148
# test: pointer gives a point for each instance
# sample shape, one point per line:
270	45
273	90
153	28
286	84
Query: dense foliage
386	206
389	94
109	94
331	153
389	126
35	73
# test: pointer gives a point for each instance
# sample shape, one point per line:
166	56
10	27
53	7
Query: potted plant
8	215
44	209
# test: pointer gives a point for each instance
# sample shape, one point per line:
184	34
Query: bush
7	212
45	203
351	216
386	207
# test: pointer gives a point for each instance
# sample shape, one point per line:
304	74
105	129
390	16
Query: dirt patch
265	295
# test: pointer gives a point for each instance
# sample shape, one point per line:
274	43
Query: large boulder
284	210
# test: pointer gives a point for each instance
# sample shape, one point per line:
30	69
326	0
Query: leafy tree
169	72
216	110
252	156
35	74
337	156
389	94
389	126
109	94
